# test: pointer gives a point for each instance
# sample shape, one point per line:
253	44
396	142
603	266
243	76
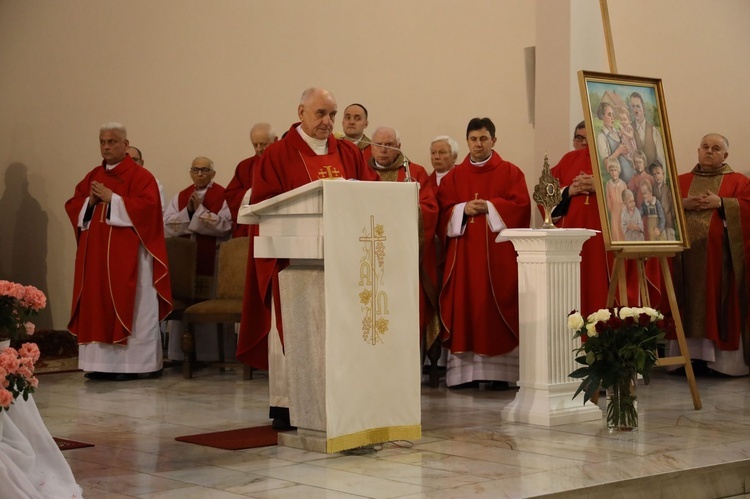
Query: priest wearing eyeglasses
200	211
121	285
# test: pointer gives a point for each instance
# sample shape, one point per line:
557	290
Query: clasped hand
582	184
705	201
99	192
194	202
475	207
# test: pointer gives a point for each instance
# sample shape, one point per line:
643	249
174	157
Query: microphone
407	171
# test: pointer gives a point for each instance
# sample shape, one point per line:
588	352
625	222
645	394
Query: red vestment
596	263
583	213
366	153
479	299
238	186
285	165
106	268
213	201
712	278
432	180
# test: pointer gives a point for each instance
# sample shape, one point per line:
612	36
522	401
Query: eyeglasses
204	171
579	138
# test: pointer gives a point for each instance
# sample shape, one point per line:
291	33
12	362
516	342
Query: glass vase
622	405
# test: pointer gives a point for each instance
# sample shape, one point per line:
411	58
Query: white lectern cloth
372	312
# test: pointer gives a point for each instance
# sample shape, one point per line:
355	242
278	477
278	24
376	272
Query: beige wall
189	77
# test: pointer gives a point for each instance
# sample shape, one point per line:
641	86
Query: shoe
280	424
464	386
125	377
151	375
497	386
700	368
99	376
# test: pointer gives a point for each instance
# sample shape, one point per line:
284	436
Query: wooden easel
618	280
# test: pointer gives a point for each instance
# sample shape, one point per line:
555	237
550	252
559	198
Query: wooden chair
182	256
226	308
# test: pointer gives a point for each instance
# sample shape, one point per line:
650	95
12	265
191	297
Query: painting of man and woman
640	201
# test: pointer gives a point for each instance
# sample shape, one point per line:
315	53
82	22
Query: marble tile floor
467	450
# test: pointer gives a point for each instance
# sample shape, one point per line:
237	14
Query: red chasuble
106	269
213	201
285	165
238	186
479	299
596	262
366	153
712	278
432	180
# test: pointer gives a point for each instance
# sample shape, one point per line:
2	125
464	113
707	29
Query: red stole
213	201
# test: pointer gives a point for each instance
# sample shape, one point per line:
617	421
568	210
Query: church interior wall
189	77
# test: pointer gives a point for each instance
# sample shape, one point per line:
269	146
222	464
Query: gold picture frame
628	130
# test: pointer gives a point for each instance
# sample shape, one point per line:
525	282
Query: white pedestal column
549	287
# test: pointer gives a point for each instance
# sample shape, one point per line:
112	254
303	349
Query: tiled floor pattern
467	450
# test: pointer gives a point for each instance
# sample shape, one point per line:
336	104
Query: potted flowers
17	304
618	345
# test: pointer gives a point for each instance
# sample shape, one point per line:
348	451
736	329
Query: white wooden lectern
549	288
350	309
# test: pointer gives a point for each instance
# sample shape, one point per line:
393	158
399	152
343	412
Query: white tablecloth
31	464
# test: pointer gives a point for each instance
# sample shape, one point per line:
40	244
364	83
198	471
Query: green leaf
581	372
592	388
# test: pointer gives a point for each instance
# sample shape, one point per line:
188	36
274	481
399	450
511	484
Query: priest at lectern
308	152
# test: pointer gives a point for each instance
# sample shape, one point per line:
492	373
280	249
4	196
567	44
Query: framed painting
633	162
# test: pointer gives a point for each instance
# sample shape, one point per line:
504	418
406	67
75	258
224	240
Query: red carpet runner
64	444
245	438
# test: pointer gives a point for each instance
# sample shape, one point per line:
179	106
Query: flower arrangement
17	373
18	304
618	344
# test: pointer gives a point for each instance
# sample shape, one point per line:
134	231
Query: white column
549	288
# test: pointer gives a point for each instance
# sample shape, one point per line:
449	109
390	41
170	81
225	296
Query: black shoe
464	386
99	376
280	424
125	377
497	386
700	368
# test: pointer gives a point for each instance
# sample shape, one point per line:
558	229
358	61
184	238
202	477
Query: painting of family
634	163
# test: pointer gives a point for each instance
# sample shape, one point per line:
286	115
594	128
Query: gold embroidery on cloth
697	222
373	301
328	172
388	175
